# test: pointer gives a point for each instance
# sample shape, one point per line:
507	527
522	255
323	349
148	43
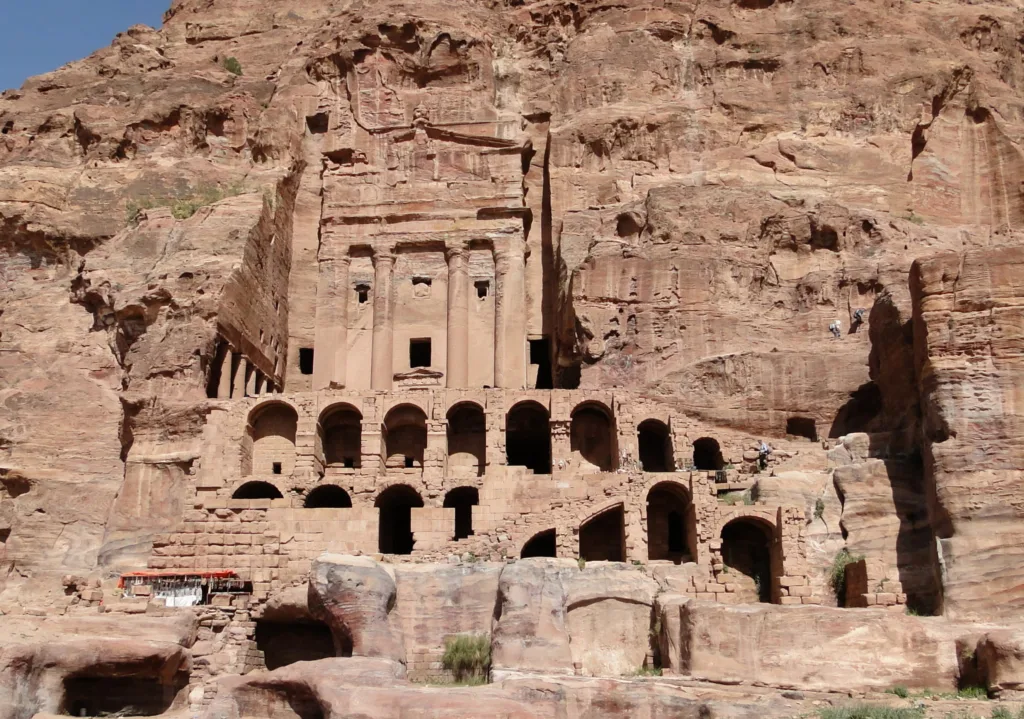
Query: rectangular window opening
419	353
482	288
540	355
319	123
422	281
277	468
306	360
363	293
410	463
350	463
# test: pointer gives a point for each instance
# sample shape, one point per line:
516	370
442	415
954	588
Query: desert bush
232	65
468	657
867	711
837	573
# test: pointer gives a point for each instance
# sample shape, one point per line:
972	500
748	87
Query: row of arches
395	535
272	431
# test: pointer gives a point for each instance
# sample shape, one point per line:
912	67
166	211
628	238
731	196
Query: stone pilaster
330	359
382	362
457	371
509	317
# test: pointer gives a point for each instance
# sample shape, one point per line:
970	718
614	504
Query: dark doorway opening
707	455
747	552
668	516
328	496
284	643
528	437
213	383
542	544
802	427
419	353
318	124
655	447
467	439
120	696
405	430
540	356
462	500
257	490
343	437
306	360
603	538
395	532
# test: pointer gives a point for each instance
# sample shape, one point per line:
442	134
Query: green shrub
648	672
819	508
1001	713
182	206
866	711
972	693
837	573
468	657
901	692
233	66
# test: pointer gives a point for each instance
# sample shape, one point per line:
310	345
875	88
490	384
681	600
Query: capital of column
385	254
456	251
511	249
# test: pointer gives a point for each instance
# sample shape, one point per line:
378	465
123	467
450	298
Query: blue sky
42	35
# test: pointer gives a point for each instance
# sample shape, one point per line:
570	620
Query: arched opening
802	427
405	430
342	429
328	496
257	490
394	535
748	558
462	500
542	544
528	437
120	691
467	440
707	455
669	521
592	434
272	433
284	643
603	537
655	447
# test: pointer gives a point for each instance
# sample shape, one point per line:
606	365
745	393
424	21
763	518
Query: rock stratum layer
333	331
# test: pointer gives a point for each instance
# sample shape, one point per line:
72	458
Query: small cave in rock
90	695
528	437
284	643
707	455
603	537
627	226
394	534
318	124
542	544
802	427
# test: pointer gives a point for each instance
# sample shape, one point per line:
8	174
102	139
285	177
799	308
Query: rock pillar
457	372
329	360
239	379
510	314
382	364
224	388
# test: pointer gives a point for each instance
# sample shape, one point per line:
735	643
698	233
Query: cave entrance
462	500
542	544
707	455
257	490
655	447
528	437
670	523
467	439
603	537
394	534
592	434
748	556
92	696
284	643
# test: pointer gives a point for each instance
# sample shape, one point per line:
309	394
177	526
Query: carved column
510	314
382	364
457	372
239	379
224	387
331	356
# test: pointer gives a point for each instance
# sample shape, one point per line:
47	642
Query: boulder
814	648
354	596
1000	658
